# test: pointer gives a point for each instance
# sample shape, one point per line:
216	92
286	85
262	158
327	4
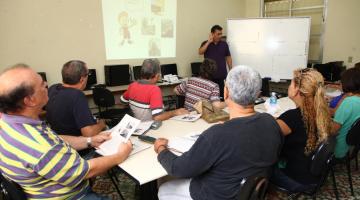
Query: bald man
43	163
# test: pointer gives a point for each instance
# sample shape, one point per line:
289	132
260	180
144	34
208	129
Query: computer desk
166	89
144	167
123	88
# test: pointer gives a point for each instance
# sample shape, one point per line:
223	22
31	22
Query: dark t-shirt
226	153
67	110
218	52
297	163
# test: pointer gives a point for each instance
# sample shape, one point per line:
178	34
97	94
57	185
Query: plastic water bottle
273	99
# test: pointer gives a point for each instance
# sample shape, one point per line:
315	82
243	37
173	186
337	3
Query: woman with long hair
304	128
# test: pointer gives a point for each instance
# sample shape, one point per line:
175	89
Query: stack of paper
184	143
121	133
187	117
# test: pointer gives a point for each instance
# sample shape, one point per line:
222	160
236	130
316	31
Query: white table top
144	166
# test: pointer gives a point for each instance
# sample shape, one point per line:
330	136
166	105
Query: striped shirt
33	156
145	100
196	89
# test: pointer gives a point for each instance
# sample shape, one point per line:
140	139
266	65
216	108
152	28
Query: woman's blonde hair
314	108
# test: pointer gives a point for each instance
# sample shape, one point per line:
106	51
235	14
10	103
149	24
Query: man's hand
97	140
160	144
181	111
211	38
102	123
124	149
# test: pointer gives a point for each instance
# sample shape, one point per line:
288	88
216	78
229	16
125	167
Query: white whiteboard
275	47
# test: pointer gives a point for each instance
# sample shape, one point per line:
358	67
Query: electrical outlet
350	58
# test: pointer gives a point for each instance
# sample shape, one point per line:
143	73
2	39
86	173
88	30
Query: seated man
246	145
145	97
67	110
43	163
198	88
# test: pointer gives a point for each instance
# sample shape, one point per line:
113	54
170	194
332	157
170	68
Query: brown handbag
209	113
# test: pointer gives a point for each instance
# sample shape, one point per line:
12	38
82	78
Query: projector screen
139	28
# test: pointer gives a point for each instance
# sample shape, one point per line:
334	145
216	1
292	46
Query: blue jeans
90	195
280	179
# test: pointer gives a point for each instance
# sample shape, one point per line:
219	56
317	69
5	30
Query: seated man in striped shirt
45	164
198	88
144	96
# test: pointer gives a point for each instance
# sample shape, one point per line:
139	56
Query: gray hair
150	68
244	85
72	71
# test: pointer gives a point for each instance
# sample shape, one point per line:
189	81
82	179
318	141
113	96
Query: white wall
342	32
47	33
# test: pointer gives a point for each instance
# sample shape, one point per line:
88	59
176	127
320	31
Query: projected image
148	26
157	6
125	23
154	47
137	29
167	29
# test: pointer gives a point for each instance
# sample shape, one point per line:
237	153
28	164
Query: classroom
144	69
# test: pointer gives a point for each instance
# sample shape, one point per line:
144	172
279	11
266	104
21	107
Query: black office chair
104	99
253	188
353	140
11	190
321	165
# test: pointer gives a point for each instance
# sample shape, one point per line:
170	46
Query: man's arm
184	166
92	130
229	61
205	45
80	142
102	164
166	115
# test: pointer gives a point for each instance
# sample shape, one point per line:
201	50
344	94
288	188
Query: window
316	9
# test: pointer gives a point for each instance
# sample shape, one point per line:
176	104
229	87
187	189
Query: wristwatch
88	142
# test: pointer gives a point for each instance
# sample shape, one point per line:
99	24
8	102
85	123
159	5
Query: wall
342	29
342	34
45	34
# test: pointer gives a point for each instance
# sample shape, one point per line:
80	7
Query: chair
10	189
253	188
321	165
103	98
353	139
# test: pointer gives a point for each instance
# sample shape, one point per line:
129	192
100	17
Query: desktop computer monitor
169	69
137	72
116	75
195	68
91	79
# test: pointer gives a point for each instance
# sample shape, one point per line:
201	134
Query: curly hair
314	108
207	69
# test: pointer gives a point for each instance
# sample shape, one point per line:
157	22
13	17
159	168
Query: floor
104	186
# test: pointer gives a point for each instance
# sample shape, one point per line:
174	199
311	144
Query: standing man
218	50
